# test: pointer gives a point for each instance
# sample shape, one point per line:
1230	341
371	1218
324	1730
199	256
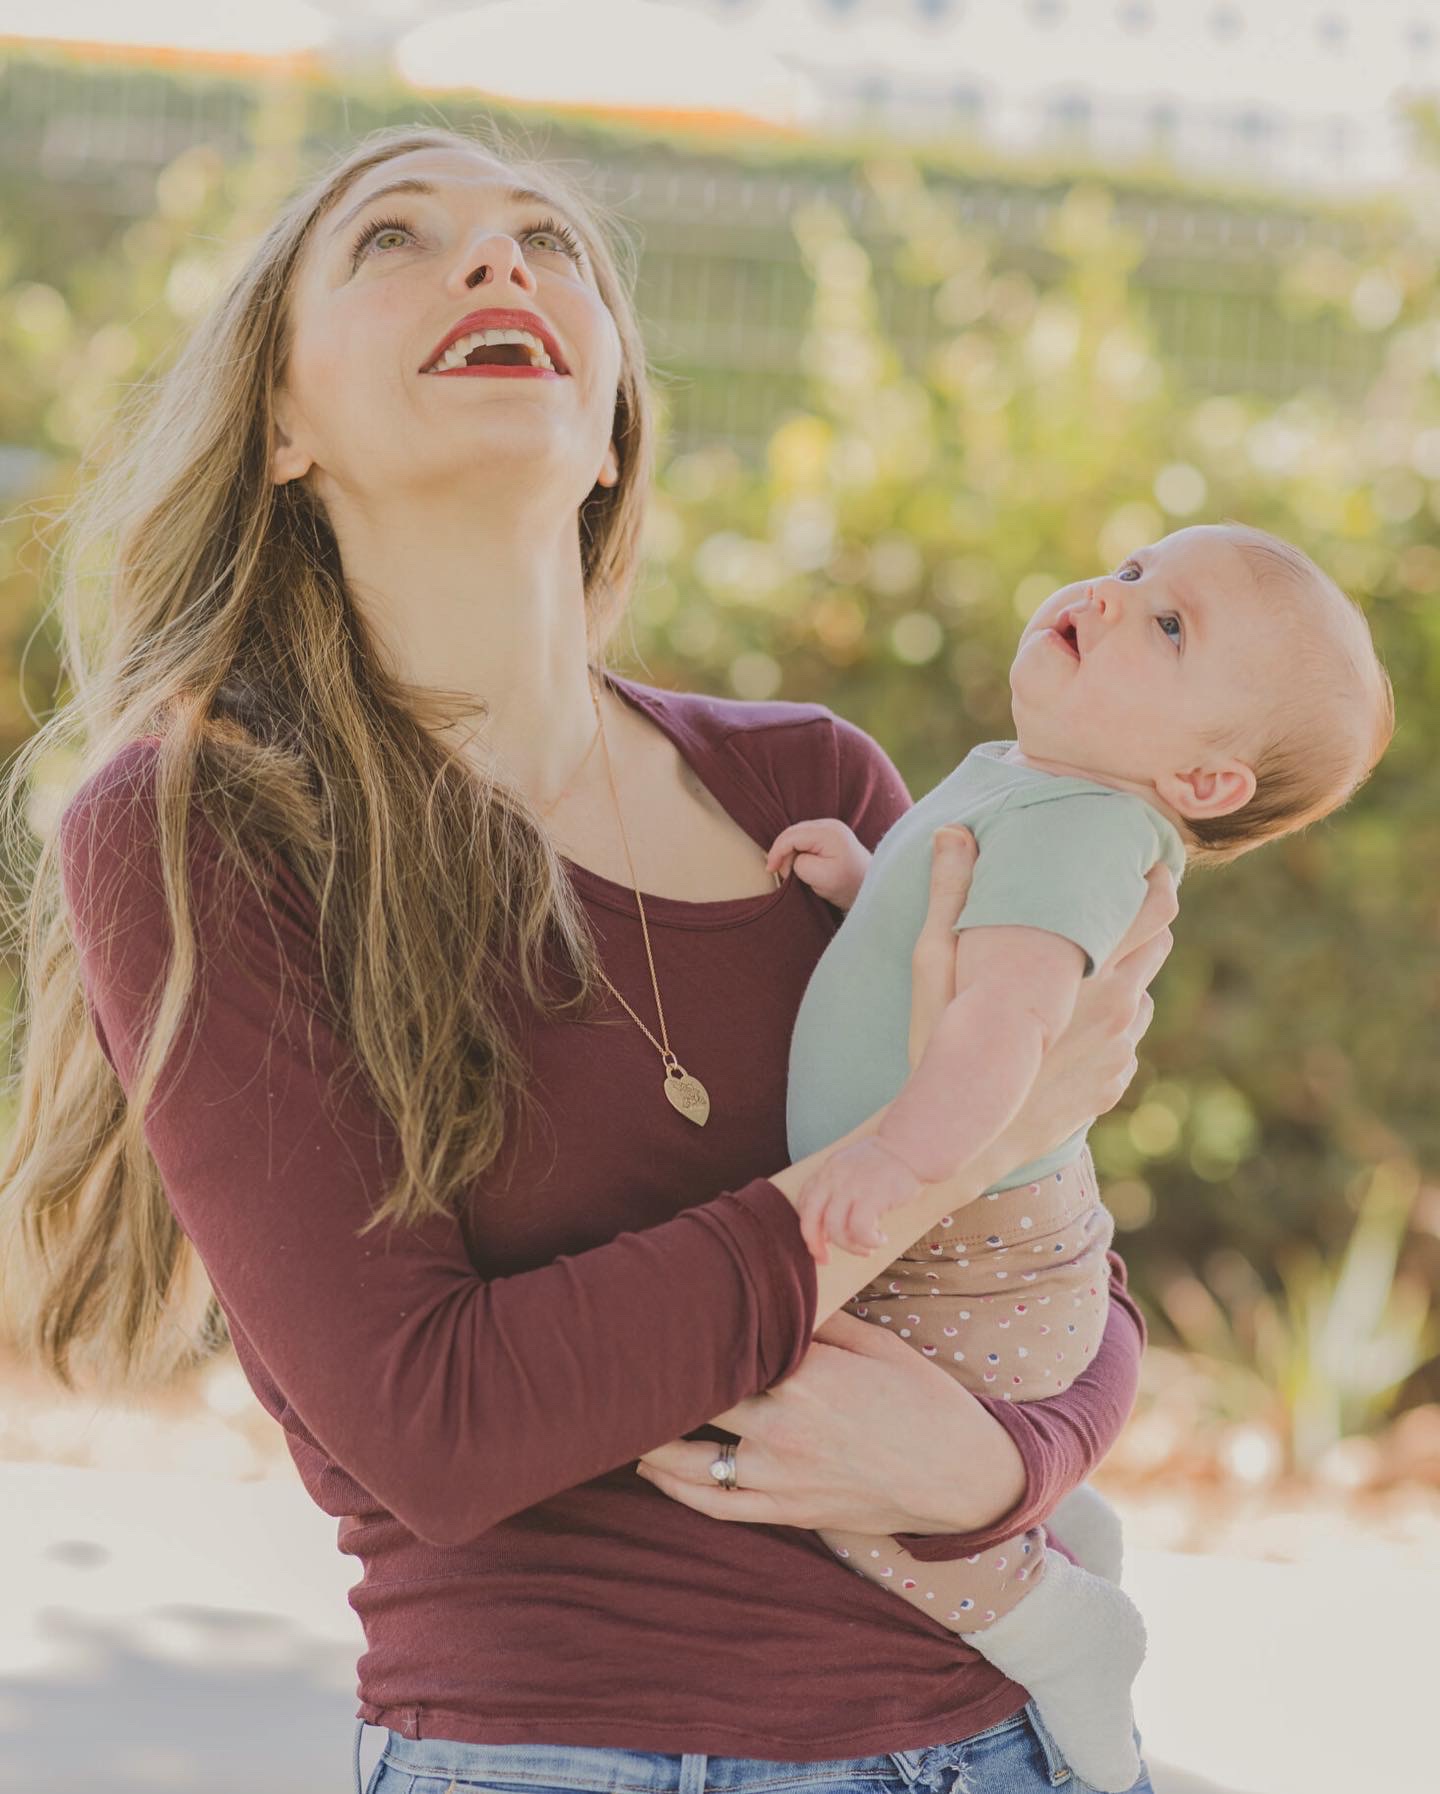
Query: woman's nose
493	258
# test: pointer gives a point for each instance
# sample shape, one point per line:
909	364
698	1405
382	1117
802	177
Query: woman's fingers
1159	909
1131	977
682	1471
932	961
1124	1007
952	860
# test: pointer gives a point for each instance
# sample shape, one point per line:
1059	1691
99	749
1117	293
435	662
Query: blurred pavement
189	1634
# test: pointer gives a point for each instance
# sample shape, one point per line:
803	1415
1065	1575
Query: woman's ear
609	473
1208	790
287	459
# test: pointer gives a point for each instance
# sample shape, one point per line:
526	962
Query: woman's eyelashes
544	227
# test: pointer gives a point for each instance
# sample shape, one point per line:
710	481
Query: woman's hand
834	1445
932	959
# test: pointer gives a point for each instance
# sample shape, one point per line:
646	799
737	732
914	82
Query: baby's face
1127	674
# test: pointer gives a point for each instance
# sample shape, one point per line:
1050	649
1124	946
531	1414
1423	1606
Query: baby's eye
1170	617
1129	567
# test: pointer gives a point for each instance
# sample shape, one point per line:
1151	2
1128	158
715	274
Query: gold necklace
685	1093
545	809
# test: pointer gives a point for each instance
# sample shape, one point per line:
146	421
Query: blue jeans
1017	1756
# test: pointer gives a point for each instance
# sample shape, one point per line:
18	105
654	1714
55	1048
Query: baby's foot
1076	1643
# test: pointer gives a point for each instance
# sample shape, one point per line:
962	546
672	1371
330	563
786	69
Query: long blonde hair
229	631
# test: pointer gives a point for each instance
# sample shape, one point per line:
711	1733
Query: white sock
1086	1524
1076	1642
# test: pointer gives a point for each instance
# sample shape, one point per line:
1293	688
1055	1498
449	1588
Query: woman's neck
488	607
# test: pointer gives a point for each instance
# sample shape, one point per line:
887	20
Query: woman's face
369	306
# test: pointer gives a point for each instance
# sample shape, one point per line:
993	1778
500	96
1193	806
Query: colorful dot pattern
1009	1296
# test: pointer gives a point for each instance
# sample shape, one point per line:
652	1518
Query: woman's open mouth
506	352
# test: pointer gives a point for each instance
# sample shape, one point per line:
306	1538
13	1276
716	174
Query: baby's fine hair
1304	771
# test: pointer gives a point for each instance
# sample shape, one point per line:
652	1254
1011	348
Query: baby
1216	691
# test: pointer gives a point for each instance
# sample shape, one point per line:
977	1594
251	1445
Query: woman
311	956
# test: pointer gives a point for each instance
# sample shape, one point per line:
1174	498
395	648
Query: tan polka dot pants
1009	1295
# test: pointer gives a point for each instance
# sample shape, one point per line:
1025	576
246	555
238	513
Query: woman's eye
1170	617
563	235
564	239
377	227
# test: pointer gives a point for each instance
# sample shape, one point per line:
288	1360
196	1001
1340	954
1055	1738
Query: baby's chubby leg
962	1593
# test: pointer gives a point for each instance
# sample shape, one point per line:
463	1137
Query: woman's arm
391	1350
430	1384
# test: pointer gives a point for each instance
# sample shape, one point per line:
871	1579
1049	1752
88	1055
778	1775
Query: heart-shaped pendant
688	1095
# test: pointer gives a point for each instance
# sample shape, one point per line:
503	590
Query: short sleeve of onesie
1073	864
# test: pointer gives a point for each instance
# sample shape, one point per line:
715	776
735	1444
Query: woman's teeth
464	346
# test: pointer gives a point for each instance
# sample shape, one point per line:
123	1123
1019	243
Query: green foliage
1324	1356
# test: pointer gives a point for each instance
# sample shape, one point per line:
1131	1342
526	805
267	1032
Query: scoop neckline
710	912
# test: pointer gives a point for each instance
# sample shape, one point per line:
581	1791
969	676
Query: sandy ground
189	1632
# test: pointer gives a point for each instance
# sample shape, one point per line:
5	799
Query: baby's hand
825	854
850	1194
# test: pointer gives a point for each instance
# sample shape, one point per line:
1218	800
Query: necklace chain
685	1092
664	1051
545	809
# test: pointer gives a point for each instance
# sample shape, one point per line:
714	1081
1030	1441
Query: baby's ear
1208	790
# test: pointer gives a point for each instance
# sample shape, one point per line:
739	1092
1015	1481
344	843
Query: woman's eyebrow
413	184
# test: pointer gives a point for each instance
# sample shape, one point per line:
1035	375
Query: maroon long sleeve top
469	1397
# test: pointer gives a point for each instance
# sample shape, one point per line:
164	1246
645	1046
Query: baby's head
1220	668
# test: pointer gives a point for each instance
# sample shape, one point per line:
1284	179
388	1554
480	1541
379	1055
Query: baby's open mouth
1067	633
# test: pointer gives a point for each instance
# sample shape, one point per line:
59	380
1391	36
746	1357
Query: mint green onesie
1065	854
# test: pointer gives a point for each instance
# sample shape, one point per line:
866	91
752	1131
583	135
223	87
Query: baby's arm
1015	993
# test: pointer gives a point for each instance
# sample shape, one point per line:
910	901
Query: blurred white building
1307	91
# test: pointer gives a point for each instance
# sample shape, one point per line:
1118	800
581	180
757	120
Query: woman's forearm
979	1471
847	1273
